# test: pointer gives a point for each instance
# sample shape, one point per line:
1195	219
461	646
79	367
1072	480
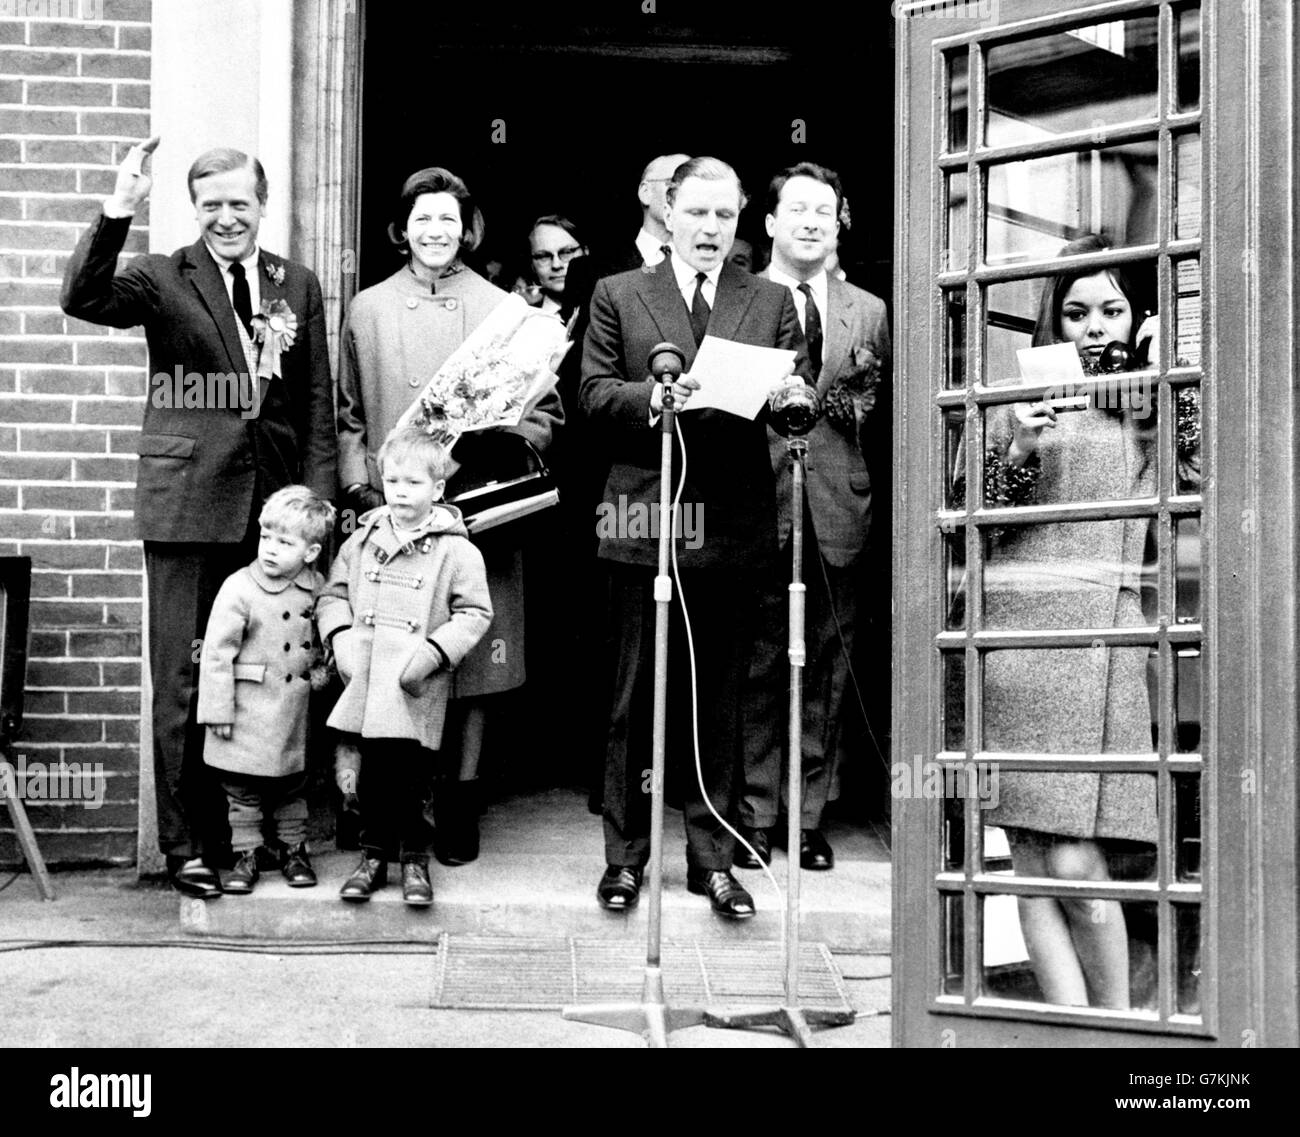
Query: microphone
666	362
795	409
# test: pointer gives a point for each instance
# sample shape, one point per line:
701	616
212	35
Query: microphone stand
789	1017
652	1017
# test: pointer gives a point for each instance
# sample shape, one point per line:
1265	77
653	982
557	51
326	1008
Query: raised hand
133	184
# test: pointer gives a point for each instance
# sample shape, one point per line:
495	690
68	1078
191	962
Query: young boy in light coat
406	600
255	679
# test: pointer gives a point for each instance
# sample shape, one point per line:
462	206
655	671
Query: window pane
954	547
955	337
1036	205
954	834
1101	448
1189	59
1187	186
1084	78
954	700
1187	827
1073	700
958	66
1187	700
958	200
1187	439
1187	922
954	458
1066	307
950	932
1187	570
1187	313
1086	953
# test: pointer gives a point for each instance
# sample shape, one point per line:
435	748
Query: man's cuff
115	210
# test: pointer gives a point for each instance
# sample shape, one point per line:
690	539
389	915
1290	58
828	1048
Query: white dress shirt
819	290
550	306
686	281
250	274
650	247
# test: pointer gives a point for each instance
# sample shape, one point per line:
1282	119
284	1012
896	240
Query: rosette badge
275	328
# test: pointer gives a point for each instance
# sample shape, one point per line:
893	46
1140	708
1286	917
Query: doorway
544	111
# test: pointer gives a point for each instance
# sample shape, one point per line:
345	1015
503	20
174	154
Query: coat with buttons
404	611
399	333
254	672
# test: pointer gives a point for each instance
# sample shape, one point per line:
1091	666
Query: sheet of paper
1055	363
736	377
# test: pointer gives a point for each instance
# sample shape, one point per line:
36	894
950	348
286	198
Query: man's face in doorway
702	219
805	227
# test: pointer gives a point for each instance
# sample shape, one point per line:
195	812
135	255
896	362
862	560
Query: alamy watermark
92	11
54	781
983	10
639	520
927	780
215	390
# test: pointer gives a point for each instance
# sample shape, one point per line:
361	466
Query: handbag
502	480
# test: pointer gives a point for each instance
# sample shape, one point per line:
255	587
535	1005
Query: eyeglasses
564	256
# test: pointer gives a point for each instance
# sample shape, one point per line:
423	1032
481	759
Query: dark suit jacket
729	472
201	466
838	485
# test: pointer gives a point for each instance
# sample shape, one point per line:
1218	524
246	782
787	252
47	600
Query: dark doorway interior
586	94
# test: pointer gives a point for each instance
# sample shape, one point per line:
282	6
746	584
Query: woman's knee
1077	860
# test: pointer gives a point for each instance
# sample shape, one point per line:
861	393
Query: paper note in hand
1055	363
736	377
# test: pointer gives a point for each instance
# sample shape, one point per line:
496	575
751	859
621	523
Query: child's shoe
417	890
244	875
297	868
369	876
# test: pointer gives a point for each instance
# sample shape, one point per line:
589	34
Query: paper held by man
502	369
736	377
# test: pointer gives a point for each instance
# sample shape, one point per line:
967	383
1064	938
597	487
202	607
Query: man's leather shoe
620	888
369	876
762	842
815	852
194	878
723	890
244	875
417	890
297	868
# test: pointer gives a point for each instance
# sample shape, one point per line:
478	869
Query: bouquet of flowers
849	401
501	370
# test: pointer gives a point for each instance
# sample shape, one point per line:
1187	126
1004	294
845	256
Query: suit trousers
828	615
721	603
392	790
182	580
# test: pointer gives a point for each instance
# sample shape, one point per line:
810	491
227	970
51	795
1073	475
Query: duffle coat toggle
380	618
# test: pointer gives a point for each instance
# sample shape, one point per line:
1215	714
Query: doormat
509	973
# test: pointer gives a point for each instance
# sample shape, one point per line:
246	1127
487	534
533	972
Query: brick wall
74	94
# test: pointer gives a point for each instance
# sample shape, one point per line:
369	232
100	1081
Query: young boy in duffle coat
407	599
260	661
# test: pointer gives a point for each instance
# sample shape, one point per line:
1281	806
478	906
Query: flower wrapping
501	370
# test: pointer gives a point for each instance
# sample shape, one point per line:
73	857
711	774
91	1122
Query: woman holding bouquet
398	334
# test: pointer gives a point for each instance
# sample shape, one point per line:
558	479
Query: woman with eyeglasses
553	245
398	334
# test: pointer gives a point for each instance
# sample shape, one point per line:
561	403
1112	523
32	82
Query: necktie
699	309
665	251
242	297
812	329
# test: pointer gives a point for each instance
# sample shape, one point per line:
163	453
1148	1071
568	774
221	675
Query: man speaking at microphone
729	486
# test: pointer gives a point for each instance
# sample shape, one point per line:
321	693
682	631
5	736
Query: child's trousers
252	798
392	789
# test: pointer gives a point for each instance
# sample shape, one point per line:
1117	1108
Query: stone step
550	890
